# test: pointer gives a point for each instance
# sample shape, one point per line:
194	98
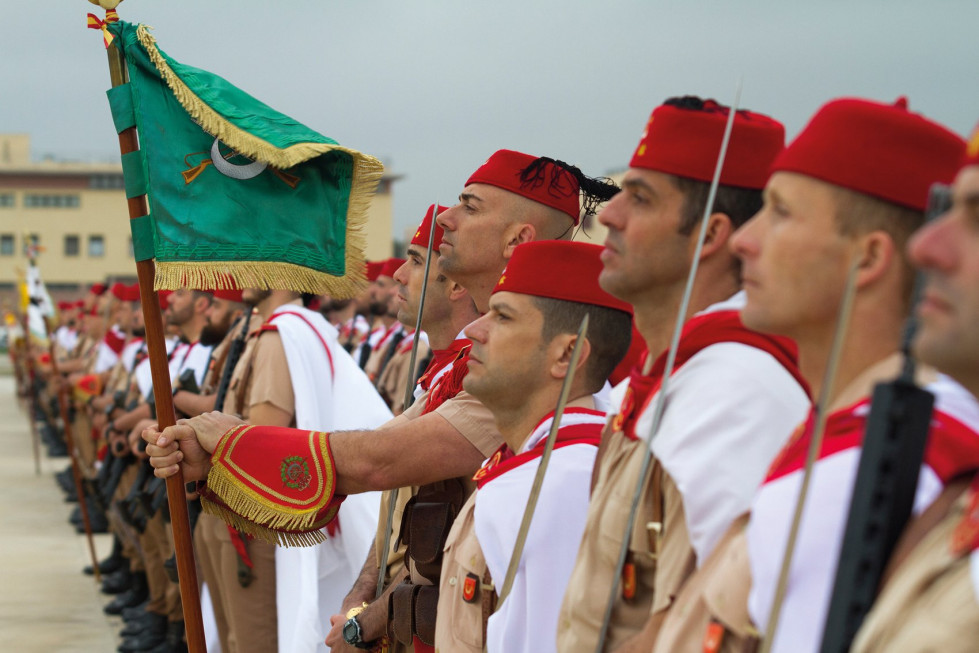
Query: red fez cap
80	303
552	186
558	269
97	288
65	306
425	229
881	150
686	142
228	295
131	293
374	270
391	266
163	295
972	149
118	291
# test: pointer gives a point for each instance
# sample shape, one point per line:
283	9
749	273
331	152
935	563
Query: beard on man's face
378	307
213	334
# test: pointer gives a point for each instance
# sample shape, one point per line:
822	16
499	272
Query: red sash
952	449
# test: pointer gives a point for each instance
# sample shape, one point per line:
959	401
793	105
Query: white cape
311	582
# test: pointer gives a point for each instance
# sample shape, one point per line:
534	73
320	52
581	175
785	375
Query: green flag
237	192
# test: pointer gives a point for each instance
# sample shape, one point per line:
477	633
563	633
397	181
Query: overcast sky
433	87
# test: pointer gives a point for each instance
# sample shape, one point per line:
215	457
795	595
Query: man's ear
719	232
876	252
518	234
563	346
456	292
201	304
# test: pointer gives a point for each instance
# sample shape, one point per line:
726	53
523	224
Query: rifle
887	479
235	349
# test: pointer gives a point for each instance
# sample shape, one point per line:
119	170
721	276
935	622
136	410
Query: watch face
351	632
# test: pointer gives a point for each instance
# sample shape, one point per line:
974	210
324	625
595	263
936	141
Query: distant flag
35	298
238	192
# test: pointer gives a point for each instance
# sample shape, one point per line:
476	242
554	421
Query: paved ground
46	604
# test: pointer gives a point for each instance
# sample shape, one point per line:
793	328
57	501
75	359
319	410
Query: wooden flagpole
163	393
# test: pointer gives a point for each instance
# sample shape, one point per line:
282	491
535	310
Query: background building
79	214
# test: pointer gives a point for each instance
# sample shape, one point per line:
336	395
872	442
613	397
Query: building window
108	181
72	246
6	200
34	201
96	246
6	244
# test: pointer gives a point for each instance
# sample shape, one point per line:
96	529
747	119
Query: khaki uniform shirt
459	627
373	366
661	563
711	612
930	602
396	375
261	376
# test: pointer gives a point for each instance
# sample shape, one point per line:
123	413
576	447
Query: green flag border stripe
134	173
367	173
121	104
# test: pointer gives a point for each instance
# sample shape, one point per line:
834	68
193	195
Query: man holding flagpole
291	373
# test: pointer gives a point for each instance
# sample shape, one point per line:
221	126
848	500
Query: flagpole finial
110	17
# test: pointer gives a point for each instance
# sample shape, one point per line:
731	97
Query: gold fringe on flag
367	173
220	275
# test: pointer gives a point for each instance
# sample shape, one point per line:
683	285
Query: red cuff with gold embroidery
274	483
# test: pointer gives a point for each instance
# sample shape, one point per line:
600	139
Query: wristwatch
352	634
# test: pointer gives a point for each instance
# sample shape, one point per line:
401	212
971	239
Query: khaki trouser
153	542
246	616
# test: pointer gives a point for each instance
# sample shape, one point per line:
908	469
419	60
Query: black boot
153	635
135	612
65	479
149	621
96	518
117	582
111	564
174	643
131	597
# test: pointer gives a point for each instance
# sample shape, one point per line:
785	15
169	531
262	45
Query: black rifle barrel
231	361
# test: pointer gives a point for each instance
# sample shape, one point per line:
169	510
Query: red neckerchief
965	537
844	430
700	332
504	459
440	359
449	384
115	341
